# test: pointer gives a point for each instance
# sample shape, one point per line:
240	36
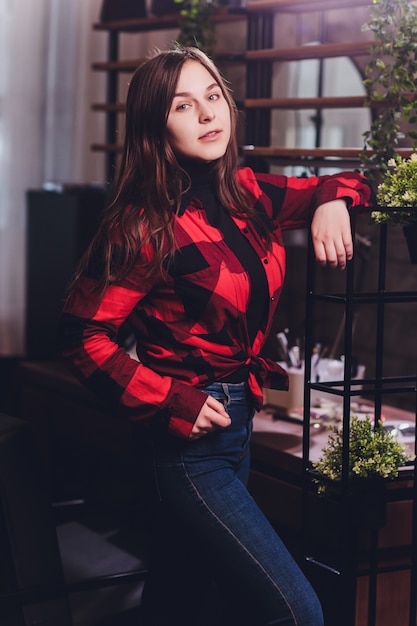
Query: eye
214	96
182	107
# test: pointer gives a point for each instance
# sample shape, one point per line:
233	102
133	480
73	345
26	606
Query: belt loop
226	392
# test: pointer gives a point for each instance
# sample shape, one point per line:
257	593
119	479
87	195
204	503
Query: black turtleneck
202	189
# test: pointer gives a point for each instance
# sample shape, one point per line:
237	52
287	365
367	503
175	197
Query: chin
212	156
203	156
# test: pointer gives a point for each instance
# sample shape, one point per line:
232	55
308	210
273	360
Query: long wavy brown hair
147	190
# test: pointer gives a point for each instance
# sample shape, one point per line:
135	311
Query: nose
206	113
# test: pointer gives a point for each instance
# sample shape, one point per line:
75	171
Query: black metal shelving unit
343	564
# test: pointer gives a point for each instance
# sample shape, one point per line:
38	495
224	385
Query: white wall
46	47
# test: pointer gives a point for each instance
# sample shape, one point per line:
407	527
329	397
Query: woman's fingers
212	415
331	234
334	252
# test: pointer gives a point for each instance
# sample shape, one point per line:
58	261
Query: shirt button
266	261
246	230
272	299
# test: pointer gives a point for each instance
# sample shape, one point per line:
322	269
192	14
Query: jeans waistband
228	391
220	385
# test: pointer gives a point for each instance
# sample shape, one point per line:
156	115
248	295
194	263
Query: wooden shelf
303	6
127	65
329	156
319	51
165	22
344	158
140	24
324	102
342	102
130	65
280	151
323	157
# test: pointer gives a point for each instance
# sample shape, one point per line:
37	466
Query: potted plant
375	456
391	85
196	24
398	192
373	453
391	80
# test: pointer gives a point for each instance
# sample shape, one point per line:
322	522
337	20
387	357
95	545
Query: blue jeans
216	560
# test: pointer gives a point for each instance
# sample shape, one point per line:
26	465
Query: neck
200	172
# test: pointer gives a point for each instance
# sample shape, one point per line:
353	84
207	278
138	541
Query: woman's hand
212	416
331	234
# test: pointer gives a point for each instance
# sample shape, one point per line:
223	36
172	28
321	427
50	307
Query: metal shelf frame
375	387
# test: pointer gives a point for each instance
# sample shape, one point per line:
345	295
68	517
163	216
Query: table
276	483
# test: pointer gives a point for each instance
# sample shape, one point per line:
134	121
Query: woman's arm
291	201
87	341
322	200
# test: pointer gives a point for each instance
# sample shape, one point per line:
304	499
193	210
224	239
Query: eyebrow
187	94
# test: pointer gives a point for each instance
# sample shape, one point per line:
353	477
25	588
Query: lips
211	135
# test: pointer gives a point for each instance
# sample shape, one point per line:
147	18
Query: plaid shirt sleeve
86	340
292	200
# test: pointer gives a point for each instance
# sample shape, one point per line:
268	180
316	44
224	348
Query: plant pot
367	503
410	234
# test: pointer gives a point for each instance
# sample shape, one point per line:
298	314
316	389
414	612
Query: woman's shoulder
246	174
247	177
265	185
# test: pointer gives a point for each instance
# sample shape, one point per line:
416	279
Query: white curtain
46	126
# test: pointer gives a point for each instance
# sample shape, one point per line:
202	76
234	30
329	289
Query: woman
190	254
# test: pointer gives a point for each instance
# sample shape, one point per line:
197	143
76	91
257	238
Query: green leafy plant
398	189
196	24
390	79
372	454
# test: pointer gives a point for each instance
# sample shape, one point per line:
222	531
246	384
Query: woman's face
199	124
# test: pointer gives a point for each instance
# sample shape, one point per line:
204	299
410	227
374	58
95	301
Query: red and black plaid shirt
192	329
